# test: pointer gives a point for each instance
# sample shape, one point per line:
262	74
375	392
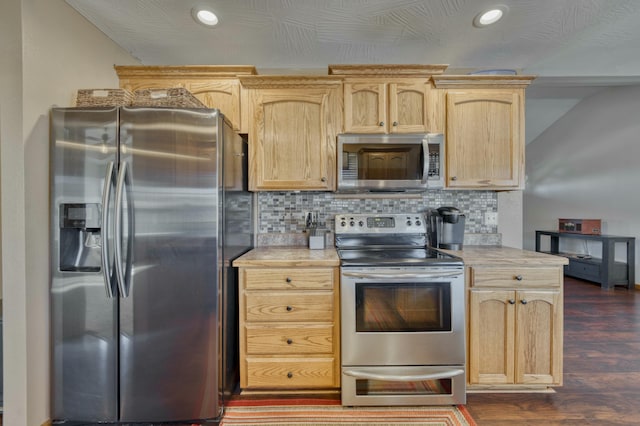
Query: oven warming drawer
403	385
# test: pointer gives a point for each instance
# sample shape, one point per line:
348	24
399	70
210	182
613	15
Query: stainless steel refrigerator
148	208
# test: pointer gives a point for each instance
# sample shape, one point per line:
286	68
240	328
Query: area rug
327	413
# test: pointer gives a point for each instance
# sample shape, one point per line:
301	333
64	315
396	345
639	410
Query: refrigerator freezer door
83	318
170	214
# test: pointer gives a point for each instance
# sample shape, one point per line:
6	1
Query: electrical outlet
491	218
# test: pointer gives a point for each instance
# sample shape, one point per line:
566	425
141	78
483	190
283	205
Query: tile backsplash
283	212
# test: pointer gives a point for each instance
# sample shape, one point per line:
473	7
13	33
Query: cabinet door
491	336
221	94
539	337
408	107
365	107
292	139
485	139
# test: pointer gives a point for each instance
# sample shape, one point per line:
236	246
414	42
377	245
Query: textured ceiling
567	43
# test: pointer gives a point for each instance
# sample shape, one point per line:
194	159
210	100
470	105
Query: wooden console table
606	271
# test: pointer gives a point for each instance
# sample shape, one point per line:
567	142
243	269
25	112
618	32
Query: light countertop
288	257
499	255
472	255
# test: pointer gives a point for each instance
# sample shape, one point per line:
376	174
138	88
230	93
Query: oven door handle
366	275
403	378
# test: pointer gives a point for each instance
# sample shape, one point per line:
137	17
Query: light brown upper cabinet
484	131
216	86
388	98
292	134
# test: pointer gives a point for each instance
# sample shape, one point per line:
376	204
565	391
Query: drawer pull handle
289	374
512	302
289	308
523	301
395	124
289	341
288	280
518	277
381	123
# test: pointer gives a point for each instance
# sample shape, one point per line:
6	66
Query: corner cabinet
484	131
289	328
216	86
515	327
388	98
292	134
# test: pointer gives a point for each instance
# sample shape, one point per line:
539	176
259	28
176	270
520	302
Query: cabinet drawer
289	340
585	270
288	278
291	373
283	306
516	277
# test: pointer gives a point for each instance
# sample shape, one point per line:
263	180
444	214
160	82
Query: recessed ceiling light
490	16
204	16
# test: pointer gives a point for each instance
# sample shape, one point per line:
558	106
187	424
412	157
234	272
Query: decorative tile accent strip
284	212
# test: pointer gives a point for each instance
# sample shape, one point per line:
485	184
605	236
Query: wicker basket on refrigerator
103	98
176	97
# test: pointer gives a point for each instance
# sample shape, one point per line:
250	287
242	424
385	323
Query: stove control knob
352	223
408	223
343	223
418	223
361	223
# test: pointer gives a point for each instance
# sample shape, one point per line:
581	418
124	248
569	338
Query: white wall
586	166
510	218
12	212
60	53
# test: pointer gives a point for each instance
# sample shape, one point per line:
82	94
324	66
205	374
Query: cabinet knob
512	302
288	279
395	123
323	179
289	374
518	277
381	123
454	177
523	301
289	341
289	309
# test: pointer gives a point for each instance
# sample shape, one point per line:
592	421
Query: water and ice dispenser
80	237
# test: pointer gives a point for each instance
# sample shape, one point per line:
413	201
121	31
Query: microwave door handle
425	160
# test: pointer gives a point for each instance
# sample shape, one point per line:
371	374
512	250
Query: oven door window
403	307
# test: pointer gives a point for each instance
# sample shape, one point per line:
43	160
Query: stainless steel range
403	320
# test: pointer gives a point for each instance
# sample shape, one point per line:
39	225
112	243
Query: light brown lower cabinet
515	327
289	328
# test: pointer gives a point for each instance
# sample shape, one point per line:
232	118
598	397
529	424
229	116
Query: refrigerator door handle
106	200
120	273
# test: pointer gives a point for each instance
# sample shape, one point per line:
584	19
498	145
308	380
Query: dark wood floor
601	367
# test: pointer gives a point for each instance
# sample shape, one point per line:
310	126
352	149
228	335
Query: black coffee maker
445	228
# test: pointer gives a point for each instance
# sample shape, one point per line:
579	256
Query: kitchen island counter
287	257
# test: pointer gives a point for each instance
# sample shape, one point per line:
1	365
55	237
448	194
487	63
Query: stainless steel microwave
390	163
